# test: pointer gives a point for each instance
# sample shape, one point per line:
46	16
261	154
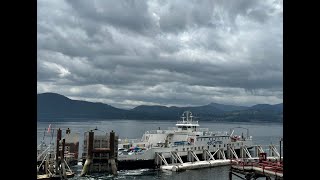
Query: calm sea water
262	133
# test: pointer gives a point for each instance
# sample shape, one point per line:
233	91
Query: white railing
187	122
203	129
122	141
156	132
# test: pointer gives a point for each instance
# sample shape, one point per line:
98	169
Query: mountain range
52	106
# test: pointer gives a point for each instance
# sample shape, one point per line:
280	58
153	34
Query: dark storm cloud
126	14
128	53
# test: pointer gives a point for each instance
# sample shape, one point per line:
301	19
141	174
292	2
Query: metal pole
247	133
280	150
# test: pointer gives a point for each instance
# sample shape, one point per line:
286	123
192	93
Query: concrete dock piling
101	153
88	161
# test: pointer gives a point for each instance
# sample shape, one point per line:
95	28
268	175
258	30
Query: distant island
52	106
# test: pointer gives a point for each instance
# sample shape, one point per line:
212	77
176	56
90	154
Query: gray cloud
127	53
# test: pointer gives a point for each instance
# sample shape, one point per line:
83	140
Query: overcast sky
169	52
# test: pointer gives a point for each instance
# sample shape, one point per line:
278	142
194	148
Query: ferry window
198	148
214	145
184	127
219	145
189	126
202	147
224	145
183	149
208	147
176	149
187	149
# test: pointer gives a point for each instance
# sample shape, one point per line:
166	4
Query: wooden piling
112	139
59	134
63	148
90	145
89	158
64	175
112	153
230	175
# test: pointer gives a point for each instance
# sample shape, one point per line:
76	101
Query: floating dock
262	165
195	165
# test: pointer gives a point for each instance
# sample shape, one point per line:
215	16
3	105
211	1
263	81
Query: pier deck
262	168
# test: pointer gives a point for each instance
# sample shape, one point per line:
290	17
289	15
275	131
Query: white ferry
184	137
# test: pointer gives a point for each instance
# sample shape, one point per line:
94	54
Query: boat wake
136	172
